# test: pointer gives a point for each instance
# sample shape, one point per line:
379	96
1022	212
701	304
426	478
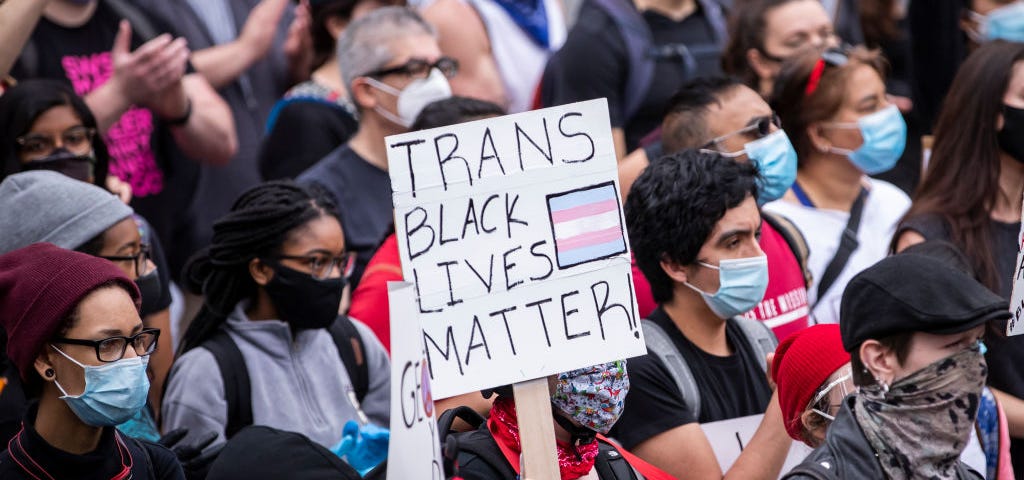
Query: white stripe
786	318
588	224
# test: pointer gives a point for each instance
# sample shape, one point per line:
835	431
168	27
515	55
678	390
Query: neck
1011	190
696	321
262	308
674	9
61	428
368	142
561	434
67	14
329	74
831	181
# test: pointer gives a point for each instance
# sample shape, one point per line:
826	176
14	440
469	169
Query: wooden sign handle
536	430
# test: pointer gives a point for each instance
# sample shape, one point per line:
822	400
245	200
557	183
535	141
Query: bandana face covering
919	427
573	461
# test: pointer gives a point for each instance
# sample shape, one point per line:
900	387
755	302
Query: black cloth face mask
149	287
1011	137
302	301
78	167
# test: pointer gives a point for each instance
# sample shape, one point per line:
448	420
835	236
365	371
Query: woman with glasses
273	279
80	347
45	206
834	108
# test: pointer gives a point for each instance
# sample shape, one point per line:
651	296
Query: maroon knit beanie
803	362
40	285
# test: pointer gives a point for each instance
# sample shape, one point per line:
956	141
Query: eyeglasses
112	349
75	139
139	259
762	126
321	266
420	68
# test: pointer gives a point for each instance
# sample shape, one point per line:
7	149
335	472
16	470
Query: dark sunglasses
418	67
761	127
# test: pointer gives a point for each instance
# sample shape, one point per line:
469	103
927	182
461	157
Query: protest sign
415	448
1016	324
728	438
512	232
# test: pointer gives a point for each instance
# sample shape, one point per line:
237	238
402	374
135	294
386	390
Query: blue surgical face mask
1003	23
114	392
885	137
775	159
741	285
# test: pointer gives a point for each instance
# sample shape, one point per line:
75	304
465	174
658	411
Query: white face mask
414	97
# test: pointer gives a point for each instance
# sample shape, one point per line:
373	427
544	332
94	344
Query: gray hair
365	45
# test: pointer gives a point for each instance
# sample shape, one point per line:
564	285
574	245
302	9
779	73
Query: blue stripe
576	256
582	197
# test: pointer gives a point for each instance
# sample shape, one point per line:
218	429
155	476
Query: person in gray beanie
45	206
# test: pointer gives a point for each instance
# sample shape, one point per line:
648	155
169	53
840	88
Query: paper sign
415	448
512	231
729	437
1016	324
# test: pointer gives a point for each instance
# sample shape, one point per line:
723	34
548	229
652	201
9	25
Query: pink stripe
584	210
590	238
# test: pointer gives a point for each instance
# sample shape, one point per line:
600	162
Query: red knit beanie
40	285
803	362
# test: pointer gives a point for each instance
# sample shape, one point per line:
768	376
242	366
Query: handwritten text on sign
1016	324
512	232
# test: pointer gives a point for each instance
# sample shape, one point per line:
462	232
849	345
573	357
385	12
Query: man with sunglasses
389	87
723	115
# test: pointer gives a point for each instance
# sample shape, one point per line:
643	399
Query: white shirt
883	208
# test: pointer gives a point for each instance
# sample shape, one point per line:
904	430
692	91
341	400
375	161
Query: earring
49	373
885	386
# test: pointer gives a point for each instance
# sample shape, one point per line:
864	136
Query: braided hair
258	224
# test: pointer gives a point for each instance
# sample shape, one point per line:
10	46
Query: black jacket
846	454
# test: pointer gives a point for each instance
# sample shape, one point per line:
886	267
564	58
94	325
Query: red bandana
505	429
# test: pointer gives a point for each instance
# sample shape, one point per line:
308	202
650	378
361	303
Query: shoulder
819	465
888	195
195	370
163	461
329	165
9	469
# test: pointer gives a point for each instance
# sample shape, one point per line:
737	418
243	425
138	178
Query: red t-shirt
370	300
784	307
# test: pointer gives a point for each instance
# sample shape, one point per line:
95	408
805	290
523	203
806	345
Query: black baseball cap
914	293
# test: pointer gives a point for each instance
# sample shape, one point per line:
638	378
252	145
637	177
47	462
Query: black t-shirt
317	126
730	387
363	196
594	63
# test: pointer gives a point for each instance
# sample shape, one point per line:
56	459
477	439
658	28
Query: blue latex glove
363	447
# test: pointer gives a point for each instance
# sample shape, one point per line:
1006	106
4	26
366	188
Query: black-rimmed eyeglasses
138	259
321	266
420	68
112	349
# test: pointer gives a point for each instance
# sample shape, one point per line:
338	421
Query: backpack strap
660	345
759	336
235	376
639	43
480	444
611	465
848	243
795	239
353	354
141	25
814	470
715	15
140	447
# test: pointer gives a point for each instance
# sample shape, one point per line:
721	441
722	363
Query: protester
693	224
719	113
843	128
502	45
971	194
764	33
273	279
318	113
916	358
389	86
635	54
79	345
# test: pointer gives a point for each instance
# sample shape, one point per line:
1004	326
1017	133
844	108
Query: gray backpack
759	336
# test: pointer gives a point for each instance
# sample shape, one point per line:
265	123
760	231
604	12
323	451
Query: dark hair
797	110
684	125
898	343
321	11
877	22
260	221
453	110
962	182
22	105
747	30
676	203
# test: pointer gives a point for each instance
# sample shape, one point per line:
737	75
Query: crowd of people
822	197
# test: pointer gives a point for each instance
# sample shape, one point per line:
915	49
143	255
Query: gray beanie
44	206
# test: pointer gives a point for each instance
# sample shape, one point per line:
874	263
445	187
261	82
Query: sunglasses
761	127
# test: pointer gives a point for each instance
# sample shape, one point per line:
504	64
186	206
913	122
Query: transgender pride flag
586	224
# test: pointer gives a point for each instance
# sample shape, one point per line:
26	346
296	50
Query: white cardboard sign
728	438
1016	324
413	426
512	231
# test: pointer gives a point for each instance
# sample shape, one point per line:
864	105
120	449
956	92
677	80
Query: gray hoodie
298	384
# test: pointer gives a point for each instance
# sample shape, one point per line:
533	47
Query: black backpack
479	444
238	392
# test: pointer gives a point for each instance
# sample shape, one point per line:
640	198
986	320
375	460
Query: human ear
880	361
676	272
816	133
261	272
764	68
44	366
362	93
335	25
